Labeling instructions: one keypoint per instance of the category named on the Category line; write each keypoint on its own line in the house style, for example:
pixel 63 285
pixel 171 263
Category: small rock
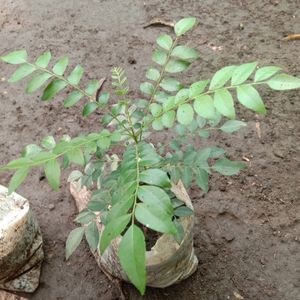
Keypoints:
pixel 51 206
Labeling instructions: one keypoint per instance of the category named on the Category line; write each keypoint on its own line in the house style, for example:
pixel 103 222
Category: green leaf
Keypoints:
pixel 197 88
pixel 152 217
pixel 37 81
pixel 155 109
pixel 121 208
pixel 228 167
pixel 48 142
pixel 183 211
pixel 157 124
pixel 224 103
pixel 165 41
pixel 89 108
pixel 147 88
pixel 170 84
pixel 185 114
pixel 73 98
pixel 92 87
pixel 155 177
pixel 92 235
pixel 221 77
pixel 103 99
pixel 17 179
pixel 31 149
pixel 53 88
pixel 233 125
pixel 204 134
pixel 159 57
pixel 160 96
pixel 283 82
pixel 250 98
pixel 76 156
pixel 181 96
pixel 153 195
pixel 265 73
pixel 15 57
pixel 242 73
pixel 215 152
pixel 43 60
pixel 132 254
pixel 74 175
pixel 169 103
pixel 185 53
pixel 153 74
pixel 202 179
pixel 180 231
pixel 21 73
pixel 52 172
pixel 184 25
pixel 60 67
pixel 187 176
pixel 76 75
pixel 74 240
pixel 85 217
pixel 175 66
pixel 113 229
pixel 204 106
pixel 168 118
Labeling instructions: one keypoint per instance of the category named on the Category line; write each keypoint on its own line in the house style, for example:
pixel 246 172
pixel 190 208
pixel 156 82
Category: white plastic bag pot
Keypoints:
pixel 21 252
pixel 167 262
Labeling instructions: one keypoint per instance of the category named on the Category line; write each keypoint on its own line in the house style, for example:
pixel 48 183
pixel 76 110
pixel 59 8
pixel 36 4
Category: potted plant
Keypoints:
pixel 137 194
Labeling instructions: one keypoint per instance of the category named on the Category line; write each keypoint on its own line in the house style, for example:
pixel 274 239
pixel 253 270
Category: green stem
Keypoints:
pixel 137 158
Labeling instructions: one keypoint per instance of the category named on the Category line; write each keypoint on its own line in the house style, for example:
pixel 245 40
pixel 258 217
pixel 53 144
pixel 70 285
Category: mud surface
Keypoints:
pixel 247 232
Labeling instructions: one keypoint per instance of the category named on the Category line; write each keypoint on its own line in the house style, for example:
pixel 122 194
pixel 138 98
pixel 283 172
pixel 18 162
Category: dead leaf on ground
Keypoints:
pixel 238 296
pixel 159 21
pixel 258 131
pixel 292 37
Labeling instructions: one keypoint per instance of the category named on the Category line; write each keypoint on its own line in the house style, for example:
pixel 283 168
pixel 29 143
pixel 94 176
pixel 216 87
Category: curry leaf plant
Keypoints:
pixel 132 190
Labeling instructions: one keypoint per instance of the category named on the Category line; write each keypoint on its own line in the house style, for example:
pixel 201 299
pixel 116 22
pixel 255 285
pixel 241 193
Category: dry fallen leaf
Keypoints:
pixel 257 126
pixel 238 296
pixel 158 21
pixel 292 37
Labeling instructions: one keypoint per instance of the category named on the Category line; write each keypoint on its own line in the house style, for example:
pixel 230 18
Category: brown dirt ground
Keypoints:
pixel 247 230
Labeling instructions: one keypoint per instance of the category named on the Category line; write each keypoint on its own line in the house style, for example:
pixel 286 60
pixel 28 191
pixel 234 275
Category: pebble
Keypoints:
pixel 51 206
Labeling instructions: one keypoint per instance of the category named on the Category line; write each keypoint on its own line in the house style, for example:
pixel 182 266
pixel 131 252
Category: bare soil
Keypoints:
pixel 247 231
